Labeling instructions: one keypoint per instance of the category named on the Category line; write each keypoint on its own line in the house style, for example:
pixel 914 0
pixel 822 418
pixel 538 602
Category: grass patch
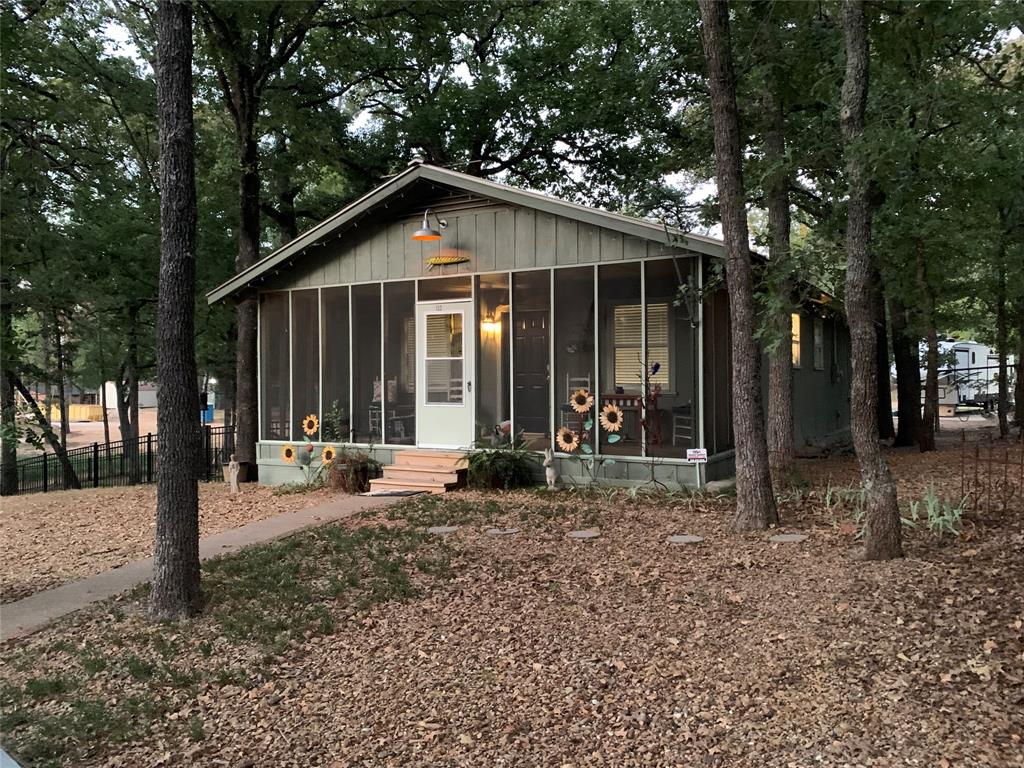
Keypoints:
pixel 274 594
pixel 259 602
pixel 48 687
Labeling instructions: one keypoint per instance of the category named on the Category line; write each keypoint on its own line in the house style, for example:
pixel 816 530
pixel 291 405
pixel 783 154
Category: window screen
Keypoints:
pixel 274 331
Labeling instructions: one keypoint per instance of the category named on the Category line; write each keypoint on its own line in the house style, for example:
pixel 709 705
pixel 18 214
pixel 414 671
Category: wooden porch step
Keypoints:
pixel 445 459
pixel 425 474
pixel 384 484
pixel 422 470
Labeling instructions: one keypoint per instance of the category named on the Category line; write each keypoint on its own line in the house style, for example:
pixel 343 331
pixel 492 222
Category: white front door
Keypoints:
pixel 445 362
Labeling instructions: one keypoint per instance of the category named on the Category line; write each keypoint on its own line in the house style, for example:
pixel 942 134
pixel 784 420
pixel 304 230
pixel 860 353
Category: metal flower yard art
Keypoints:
pixel 611 420
pixel 310 463
pixel 579 442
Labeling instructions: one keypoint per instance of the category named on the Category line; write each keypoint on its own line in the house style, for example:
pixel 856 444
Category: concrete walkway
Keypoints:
pixel 31 614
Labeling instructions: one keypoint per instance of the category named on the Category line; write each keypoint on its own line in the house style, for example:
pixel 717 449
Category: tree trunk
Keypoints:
pixel 8 404
pixel 245 356
pixel 908 376
pixel 930 416
pixel 755 502
pixel 176 552
pixel 882 535
pixel 883 389
pixel 127 386
pixel 62 394
pixel 9 454
pixel 1002 344
pixel 1018 392
pixel 70 476
pixel 780 362
pixel 106 418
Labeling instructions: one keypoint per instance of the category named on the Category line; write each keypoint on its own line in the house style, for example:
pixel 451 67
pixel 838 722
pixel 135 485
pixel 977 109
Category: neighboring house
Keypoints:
pixel 516 300
pixel 147 394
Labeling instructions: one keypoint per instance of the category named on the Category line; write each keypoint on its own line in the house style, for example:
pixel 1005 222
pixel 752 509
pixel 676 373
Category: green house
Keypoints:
pixel 442 310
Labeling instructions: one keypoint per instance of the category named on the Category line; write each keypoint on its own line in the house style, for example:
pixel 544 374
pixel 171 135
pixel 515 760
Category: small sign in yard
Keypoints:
pixel 697 455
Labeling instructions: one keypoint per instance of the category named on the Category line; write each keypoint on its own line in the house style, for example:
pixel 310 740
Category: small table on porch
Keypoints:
pixel 630 406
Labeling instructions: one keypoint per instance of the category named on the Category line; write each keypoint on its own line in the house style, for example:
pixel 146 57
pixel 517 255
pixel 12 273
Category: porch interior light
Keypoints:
pixel 490 324
pixel 426 232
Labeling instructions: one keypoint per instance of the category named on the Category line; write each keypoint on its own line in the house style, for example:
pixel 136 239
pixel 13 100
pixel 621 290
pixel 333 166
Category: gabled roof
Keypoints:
pixel 627 225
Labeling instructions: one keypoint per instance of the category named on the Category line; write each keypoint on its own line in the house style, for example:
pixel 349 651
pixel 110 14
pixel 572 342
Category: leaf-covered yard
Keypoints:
pixel 52 538
pixel 375 642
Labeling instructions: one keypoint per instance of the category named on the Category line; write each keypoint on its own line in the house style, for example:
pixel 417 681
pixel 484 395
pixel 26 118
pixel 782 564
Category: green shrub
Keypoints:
pixel 507 466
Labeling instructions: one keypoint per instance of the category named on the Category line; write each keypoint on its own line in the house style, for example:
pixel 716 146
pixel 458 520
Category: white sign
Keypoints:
pixel 697 455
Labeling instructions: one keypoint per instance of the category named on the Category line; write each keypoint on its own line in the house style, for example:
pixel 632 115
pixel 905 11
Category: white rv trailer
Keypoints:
pixel 968 376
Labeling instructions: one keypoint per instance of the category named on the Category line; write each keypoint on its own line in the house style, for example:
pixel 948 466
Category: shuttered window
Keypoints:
pixel 629 362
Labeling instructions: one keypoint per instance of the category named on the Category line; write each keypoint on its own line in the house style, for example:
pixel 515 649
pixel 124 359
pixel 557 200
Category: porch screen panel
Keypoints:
pixel 367 390
pixel 335 421
pixel 492 357
pixel 620 309
pixel 400 362
pixel 305 362
pixel 573 321
pixel 531 308
pixel 276 403
pixel 672 341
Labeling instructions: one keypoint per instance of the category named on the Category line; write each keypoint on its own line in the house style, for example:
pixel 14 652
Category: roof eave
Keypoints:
pixel 624 224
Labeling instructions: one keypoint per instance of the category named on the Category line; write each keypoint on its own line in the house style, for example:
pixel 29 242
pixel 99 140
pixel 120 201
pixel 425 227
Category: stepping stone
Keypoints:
pixel 590 533
pixel 788 538
pixel 501 531
pixel 443 530
pixel 685 538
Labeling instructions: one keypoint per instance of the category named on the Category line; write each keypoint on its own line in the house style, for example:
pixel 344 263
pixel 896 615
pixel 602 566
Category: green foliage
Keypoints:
pixel 941 516
pixel 335 423
pixel 508 466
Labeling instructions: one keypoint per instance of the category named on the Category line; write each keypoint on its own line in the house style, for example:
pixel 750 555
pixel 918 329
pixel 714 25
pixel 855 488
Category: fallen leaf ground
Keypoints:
pixel 52 538
pixel 375 643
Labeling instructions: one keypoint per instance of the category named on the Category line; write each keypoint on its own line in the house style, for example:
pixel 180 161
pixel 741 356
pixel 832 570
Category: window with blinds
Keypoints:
pixel 444 358
pixel 628 353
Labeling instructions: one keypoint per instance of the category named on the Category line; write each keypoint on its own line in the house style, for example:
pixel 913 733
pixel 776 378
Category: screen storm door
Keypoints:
pixel 445 365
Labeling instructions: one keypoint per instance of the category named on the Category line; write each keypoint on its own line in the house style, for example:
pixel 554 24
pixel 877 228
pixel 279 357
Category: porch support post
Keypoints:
pixel 699 406
pixel 553 407
pixel 351 372
pixel 597 369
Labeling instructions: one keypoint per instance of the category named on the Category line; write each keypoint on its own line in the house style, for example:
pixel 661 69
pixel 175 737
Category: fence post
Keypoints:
pixel 208 432
pixel 95 465
pixel 149 457
pixel 46 480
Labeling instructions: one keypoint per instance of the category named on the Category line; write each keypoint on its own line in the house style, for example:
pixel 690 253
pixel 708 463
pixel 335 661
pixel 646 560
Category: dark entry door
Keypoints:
pixel 530 378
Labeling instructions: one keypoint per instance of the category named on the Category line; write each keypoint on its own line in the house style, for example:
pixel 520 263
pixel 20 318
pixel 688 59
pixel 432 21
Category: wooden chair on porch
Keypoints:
pixel 569 417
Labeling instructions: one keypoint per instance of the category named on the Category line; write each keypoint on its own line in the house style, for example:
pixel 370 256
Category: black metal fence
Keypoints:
pixel 124 462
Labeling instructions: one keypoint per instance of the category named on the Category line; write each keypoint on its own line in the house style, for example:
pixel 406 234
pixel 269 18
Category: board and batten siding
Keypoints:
pixel 495 238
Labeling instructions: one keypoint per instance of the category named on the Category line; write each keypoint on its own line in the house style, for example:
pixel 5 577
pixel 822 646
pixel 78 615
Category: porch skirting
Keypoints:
pixel 625 472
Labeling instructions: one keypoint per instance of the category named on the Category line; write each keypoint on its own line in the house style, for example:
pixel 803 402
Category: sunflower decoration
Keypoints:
pixel 581 401
pixel 567 440
pixel 311 424
pixel 328 454
pixel 611 418
pixel 288 453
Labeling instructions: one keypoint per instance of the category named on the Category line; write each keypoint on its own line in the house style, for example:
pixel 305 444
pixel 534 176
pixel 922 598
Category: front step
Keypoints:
pixel 417 474
pixel 429 471
pixel 443 459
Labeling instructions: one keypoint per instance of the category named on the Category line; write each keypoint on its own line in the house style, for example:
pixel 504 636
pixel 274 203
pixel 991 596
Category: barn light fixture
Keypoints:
pixel 426 232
